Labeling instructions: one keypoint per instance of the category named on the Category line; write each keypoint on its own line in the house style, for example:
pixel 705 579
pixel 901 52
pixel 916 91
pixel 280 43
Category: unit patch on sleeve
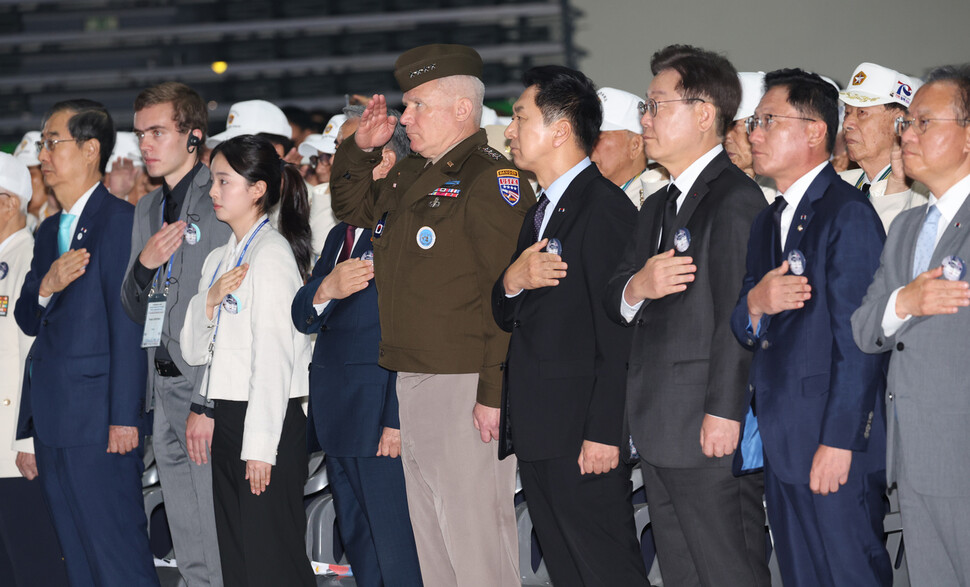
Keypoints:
pixel 508 185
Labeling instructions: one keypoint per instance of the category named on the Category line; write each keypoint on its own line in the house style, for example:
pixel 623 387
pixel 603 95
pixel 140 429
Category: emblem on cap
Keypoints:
pixel 796 262
pixel 903 91
pixel 859 78
pixel 426 237
pixel 682 240
pixel 229 120
pixel 954 268
pixel 4 269
pixel 508 185
pixel 423 70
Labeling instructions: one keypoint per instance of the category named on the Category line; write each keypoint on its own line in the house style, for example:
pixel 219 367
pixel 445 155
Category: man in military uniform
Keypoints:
pixel 873 100
pixel 445 225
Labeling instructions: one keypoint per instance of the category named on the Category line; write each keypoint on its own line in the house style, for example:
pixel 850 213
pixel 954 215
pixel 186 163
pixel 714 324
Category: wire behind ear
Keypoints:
pixel 193 143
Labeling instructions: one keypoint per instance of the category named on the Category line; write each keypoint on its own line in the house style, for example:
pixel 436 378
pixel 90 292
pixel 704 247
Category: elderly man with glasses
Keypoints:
pixel 814 423
pixel 873 100
pixel 675 286
pixel 916 309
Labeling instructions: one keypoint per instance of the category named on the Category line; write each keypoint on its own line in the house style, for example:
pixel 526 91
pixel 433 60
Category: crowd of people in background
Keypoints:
pixel 752 285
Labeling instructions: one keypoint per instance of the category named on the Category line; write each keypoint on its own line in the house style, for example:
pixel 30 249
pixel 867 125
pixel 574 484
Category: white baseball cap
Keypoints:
pixel 250 118
pixel 873 84
pixel 326 142
pixel 126 147
pixel 752 89
pixel 620 110
pixel 26 150
pixel 15 178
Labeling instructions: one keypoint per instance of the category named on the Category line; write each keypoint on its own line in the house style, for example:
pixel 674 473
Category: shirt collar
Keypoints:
pixel 685 181
pixel 795 193
pixel 557 188
pixel 78 206
pixel 177 193
pixel 952 199
pixel 879 175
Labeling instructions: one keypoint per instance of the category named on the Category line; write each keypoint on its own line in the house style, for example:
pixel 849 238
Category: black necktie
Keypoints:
pixel 780 205
pixel 537 219
pixel 670 216
pixel 865 189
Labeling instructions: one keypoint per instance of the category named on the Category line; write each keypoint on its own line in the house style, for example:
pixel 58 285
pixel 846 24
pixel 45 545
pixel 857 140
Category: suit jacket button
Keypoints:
pixel 516 324
pixel 44 323
pixel 878 342
pixel 323 328
pixel 900 346
pixel 6 402
pixel 765 344
pixel 890 397
pixel 309 320
pixel 639 321
pixel 382 352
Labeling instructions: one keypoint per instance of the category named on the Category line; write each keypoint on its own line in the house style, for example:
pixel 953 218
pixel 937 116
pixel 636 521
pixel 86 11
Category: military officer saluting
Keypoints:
pixel 445 223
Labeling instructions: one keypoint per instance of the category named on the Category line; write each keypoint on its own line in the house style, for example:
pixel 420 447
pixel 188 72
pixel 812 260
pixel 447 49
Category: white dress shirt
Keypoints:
pixel 793 196
pixel 948 204
pixel 684 182
pixel 76 210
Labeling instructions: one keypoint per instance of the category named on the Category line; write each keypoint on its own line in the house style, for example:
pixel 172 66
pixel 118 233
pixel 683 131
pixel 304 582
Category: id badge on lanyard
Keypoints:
pixel 151 336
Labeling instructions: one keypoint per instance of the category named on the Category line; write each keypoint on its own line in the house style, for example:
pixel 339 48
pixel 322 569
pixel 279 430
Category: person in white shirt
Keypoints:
pixel 238 324
pixel 27 537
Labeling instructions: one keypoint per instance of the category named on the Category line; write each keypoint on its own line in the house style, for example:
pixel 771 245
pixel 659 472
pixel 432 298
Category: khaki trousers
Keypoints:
pixel 459 494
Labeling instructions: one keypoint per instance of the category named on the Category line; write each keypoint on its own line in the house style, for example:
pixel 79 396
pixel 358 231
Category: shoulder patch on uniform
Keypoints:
pixel 492 153
pixel 508 185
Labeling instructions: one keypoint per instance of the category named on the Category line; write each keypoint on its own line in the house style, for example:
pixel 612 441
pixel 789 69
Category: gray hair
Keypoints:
pixel 465 86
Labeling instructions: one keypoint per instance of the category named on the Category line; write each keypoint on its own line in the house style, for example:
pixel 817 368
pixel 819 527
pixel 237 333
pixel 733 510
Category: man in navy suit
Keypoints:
pixel 84 386
pixel 812 392
pixel 353 411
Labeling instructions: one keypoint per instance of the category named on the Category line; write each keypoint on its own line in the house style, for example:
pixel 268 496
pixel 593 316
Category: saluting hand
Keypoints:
pixel 376 127
pixel 662 275
pixel 162 245
pixel 777 292
pixel 64 270
pixel 228 283
pixel 534 269
pixel 348 277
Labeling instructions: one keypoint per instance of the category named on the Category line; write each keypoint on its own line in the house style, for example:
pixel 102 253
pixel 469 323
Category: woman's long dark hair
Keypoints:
pixel 255 158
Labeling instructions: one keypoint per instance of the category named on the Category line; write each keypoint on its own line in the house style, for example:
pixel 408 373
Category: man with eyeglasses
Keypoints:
pixel 83 395
pixel 175 229
pixel 915 312
pixel 814 422
pixel 873 100
pixel 686 375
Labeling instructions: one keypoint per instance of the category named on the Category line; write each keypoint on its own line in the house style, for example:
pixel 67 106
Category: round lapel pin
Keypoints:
pixel 954 268
pixel 682 240
pixel 796 262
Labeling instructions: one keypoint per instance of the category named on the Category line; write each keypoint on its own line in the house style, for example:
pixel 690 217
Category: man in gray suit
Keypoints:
pixel 921 317
pixel 170 122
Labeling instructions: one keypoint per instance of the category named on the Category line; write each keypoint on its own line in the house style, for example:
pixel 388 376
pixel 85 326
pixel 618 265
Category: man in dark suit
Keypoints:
pixel 677 285
pixel 812 391
pixel 564 385
pixel 353 414
pixel 84 387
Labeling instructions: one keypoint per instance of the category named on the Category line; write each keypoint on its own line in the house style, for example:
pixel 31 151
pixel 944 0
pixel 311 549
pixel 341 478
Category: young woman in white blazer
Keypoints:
pixel 239 325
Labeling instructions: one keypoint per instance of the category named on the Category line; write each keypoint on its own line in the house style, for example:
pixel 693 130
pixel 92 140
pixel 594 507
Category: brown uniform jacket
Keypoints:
pixel 442 236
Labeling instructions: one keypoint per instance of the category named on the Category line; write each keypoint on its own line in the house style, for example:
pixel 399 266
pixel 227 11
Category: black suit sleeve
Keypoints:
pixel 635 253
pixel 729 363
pixel 610 228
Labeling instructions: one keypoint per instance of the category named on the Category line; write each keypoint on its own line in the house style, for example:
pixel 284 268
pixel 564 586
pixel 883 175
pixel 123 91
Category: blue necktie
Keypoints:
pixel 926 241
pixel 64 233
